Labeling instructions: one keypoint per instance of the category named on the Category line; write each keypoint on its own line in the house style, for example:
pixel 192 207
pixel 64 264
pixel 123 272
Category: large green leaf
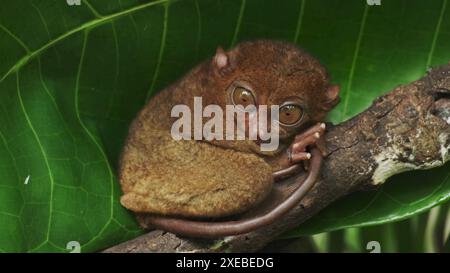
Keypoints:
pixel 72 78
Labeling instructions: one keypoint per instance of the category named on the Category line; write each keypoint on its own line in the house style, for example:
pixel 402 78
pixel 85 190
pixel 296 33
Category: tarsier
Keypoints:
pixel 177 183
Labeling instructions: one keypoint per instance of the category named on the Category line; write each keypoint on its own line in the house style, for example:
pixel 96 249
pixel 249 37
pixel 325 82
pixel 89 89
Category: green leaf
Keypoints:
pixel 73 77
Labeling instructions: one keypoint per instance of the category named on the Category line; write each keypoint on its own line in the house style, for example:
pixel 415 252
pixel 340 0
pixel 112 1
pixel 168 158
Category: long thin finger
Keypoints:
pixel 318 128
pixel 297 157
pixel 300 145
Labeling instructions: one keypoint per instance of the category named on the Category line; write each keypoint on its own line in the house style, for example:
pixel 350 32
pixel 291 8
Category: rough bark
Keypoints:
pixel 406 129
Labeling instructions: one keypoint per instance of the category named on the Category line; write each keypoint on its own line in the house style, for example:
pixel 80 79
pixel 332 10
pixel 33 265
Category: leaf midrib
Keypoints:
pixel 88 25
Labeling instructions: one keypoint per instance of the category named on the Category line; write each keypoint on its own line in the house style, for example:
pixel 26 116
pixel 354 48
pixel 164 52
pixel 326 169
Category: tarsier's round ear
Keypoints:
pixel 331 97
pixel 221 61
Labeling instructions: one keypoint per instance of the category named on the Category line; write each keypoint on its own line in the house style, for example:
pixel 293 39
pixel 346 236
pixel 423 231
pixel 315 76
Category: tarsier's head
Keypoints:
pixel 273 73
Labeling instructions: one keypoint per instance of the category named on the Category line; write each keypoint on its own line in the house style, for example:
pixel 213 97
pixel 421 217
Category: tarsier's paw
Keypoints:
pixel 312 136
pixel 298 153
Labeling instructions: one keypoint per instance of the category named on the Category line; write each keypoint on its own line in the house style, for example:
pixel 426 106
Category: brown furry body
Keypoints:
pixel 214 179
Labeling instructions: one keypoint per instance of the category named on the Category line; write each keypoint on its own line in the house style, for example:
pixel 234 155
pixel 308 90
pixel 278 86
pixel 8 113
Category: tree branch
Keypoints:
pixel 404 130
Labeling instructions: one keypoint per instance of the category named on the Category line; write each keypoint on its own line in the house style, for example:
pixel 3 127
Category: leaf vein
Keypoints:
pixel 44 154
pixel 90 24
pixel 91 136
pixel 299 21
pixel 238 23
pixel 354 59
pixel 17 39
pixel 161 52
pixel 436 34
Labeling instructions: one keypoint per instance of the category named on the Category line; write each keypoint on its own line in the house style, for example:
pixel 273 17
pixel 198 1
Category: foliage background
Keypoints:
pixel 72 78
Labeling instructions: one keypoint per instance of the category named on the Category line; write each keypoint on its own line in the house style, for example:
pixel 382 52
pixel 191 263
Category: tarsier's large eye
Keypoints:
pixel 290 114
pixel 243 96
